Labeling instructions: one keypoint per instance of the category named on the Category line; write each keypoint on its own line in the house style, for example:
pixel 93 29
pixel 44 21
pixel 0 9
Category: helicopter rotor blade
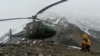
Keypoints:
pixel 35 16
pixel 49 7
pixel 49 22
pixel 14 19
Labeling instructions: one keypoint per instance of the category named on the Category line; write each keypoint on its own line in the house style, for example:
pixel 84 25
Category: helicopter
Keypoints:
pixel 41 30
pixel 37 29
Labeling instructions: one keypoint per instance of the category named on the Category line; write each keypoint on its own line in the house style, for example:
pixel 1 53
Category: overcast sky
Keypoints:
pixel 26 8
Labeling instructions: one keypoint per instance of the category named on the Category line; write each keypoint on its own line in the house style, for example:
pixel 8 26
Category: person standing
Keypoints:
pixel 86 43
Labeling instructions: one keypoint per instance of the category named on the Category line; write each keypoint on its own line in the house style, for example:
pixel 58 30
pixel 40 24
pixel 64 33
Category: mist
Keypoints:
pixel 74 10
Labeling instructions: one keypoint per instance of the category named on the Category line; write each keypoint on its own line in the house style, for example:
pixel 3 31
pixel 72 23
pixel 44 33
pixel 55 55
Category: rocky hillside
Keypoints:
pixel 70 34
pixel 67 35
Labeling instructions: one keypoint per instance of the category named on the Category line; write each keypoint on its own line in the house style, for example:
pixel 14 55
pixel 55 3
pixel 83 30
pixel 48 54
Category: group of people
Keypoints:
pixel 86 43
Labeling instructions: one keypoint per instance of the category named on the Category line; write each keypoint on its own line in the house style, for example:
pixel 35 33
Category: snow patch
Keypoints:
pixel 75 47
pixel 6 39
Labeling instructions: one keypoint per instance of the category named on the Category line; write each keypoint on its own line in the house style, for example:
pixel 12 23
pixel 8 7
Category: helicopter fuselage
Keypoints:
pixel 38 30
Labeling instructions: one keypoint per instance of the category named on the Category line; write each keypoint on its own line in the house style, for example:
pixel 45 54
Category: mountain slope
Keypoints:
pixel 71 35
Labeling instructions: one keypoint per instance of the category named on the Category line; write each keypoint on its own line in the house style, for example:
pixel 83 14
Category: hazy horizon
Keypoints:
pixel 74 10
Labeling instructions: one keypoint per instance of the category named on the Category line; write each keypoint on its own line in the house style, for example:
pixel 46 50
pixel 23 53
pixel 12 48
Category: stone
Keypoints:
pixel 1 53
pixel 40 54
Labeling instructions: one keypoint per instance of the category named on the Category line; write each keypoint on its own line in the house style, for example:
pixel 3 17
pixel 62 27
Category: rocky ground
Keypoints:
pixel 65 37
pixel 42 49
